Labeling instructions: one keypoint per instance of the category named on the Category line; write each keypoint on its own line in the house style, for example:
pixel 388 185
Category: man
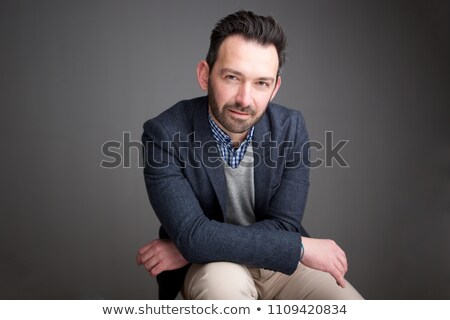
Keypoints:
pixel 227 175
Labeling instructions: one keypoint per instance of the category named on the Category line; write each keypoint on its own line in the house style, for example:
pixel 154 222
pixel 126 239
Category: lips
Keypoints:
pixel 239 112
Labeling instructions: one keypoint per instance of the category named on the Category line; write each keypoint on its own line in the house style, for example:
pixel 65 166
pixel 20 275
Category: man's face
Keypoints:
pixel 241 84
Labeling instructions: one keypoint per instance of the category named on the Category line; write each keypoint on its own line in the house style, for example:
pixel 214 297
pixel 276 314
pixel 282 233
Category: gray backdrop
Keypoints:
pixel 75 74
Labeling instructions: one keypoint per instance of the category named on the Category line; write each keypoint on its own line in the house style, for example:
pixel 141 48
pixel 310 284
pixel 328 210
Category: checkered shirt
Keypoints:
pixel 230 155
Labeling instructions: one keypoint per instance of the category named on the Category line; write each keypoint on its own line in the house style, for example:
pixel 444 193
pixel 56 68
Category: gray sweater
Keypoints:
pixel 241 191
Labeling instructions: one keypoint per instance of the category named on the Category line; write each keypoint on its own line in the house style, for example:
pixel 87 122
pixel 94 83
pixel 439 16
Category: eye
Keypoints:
pixel 263 84
pixel 231 77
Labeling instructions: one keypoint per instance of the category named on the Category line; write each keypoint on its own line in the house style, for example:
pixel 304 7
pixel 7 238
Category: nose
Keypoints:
pixel 243 96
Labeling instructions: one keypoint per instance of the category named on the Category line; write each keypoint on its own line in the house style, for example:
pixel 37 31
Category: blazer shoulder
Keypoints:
pixel 283 114
pixel 284 122
pixel 179 117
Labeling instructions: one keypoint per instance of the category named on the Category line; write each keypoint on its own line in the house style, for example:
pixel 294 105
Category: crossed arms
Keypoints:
pixel 273 242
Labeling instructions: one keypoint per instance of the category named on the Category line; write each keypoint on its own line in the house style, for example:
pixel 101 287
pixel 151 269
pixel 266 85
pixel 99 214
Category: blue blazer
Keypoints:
pixel 186 185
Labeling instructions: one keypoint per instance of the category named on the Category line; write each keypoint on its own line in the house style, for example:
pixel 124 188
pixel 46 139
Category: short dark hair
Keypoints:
pixel 264 30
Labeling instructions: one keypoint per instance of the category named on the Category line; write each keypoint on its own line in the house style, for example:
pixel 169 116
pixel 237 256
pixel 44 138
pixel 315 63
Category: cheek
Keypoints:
pixel 225 95
pixel 221 93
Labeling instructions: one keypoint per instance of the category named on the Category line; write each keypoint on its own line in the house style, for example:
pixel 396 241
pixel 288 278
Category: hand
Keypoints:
pixel 160 255
pixel 327 256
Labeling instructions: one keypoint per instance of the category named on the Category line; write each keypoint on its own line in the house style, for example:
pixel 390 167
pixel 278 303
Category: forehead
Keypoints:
pixel 248 57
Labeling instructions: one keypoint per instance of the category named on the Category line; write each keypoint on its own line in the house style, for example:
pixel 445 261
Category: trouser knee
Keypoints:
pixel 219 280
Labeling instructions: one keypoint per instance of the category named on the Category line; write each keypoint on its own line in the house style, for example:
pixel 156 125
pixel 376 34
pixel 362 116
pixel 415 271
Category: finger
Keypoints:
pixel 148 255
pixel 141 253
pixel 160 263
pixel 339 277
pixel 152 250
pixel 340 254
pixel 342 282
pixel 147 251
pixel 156 270
pixel 151 263
pixel 342 270
pixel 139 256
pixel 342 261
pixel 145 247
pixel 341 265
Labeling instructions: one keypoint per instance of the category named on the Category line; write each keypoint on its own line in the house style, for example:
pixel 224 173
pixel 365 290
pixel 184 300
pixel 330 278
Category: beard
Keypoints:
pixel 222 115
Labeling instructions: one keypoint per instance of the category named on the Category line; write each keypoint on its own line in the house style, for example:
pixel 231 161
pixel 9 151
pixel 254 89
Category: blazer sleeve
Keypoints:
pixel 287 204
pixel 199 239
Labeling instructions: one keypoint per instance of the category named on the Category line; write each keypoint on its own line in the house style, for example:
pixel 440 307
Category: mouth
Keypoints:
pixel 239 113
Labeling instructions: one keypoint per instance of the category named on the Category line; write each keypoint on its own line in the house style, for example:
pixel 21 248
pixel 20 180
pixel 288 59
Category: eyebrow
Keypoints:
pixel 229 70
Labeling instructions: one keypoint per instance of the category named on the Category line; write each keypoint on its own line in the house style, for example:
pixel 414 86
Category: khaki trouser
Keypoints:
pixel 226 280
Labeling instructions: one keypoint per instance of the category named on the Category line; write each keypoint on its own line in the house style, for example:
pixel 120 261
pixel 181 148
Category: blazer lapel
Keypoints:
pixel 261 170
pixel 209 153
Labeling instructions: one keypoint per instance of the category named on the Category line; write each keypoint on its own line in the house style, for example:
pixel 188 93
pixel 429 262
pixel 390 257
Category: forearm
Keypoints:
pixel 287 205
pixel 201 240
pixel 270 249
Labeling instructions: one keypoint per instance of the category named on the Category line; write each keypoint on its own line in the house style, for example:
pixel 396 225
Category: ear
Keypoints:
pixel 277 86
pixel 203 74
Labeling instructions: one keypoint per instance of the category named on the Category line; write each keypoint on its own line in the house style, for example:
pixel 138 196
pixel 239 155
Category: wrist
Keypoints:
pixel 302 251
